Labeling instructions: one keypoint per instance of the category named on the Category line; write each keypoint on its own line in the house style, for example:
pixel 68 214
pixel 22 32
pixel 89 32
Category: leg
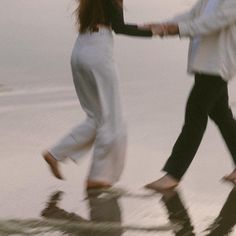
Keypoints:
pixel 222 115
pixel 110 143
pixel 78 142
pixel 53 165
pixel 202 98
pixel 81 138
pixel 96 86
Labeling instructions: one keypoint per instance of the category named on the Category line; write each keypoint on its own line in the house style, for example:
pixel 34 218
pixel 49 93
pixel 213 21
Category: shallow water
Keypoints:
pixel 38 105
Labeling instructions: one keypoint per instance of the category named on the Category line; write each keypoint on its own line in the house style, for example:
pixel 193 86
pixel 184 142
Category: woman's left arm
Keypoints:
pixel 120 27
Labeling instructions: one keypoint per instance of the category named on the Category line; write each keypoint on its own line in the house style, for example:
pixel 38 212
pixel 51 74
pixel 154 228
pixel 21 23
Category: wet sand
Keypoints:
pixel 32 121
pixel 38 105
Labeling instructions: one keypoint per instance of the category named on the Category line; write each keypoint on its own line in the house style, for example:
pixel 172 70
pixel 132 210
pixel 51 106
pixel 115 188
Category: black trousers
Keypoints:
pixel 208 98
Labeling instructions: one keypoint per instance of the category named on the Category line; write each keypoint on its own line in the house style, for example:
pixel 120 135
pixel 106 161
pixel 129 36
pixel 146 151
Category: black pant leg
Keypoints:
pixel 222 115
pixel 201 99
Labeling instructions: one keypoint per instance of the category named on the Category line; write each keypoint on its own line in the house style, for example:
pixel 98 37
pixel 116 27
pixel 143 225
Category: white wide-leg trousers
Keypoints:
pixel 96 84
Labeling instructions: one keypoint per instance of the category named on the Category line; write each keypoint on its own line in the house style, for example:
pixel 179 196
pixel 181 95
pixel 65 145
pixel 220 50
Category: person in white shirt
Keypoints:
pixel 211 26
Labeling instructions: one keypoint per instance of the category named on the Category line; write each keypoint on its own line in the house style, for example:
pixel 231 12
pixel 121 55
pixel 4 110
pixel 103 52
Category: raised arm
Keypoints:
pixel 120 27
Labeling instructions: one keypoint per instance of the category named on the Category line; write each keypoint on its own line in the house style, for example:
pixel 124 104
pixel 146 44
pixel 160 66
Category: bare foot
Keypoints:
pixel 231 177
pixel 92 184
pixel 165 183
pixel 53 165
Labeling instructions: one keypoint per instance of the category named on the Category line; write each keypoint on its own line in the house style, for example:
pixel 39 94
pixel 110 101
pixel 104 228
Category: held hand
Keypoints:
pixel 146 26
pixel 159 30
pixel 172 29
pixel 163 30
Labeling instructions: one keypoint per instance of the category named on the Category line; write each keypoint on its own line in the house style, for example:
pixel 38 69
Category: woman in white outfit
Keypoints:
pixel 96 84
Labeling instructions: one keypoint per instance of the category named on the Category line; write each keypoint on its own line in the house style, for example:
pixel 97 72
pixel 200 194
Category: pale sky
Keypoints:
pixel 36 33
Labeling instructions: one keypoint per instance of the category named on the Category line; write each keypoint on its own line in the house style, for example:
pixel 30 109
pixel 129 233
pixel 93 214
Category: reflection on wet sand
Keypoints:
pixel 178 213
pixel 225 222
pixel 101 210
pixel 105 217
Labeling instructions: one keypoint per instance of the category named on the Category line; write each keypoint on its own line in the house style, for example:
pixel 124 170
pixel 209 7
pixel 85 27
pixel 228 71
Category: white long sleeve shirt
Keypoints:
pixel 216 52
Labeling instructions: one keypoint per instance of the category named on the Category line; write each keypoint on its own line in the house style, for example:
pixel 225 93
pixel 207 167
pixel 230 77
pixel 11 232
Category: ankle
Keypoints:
pixel 171 178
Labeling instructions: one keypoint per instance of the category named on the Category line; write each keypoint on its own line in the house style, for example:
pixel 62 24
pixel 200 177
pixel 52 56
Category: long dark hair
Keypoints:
pixel 90 13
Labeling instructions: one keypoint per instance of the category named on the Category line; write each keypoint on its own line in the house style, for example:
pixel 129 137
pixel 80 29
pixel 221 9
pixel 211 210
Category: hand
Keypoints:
pixel 172 29
pixel 159 30
pixel 146 26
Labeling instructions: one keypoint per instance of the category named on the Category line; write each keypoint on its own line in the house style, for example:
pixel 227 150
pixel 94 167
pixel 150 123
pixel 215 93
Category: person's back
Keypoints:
pixel 92 14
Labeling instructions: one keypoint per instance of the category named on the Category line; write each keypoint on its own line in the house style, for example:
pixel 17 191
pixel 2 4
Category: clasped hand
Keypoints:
pixel 162 29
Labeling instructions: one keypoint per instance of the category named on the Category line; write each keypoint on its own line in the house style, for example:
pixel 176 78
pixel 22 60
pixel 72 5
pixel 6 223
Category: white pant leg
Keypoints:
pixel 79 141
pixel 96 84
pixel 110 144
